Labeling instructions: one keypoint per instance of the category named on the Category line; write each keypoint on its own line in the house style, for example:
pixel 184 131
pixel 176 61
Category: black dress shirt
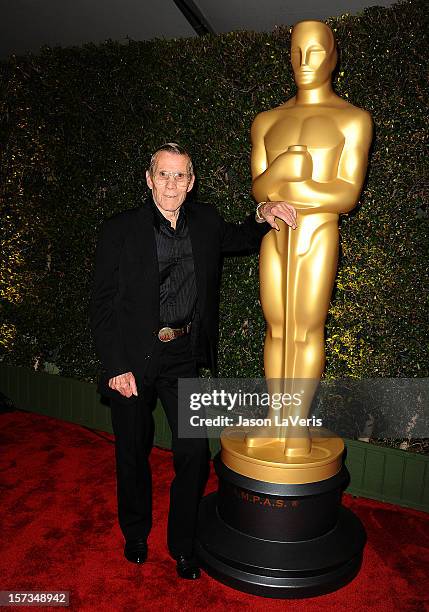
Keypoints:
pixel 177 288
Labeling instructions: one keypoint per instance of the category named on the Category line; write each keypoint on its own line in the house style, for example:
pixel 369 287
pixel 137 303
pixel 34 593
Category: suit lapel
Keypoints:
pixel 196 231
pixel 144 237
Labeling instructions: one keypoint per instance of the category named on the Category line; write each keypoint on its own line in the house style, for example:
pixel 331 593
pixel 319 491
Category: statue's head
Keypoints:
pixel 313 53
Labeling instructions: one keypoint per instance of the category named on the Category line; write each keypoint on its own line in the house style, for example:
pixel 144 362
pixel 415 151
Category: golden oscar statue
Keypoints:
pixel 310 152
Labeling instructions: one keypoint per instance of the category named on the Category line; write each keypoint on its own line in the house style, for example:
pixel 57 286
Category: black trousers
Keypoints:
pixel 133 427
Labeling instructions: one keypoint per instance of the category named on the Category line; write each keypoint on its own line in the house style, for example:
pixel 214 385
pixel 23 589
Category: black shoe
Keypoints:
pixel 136 550
pixel 187 568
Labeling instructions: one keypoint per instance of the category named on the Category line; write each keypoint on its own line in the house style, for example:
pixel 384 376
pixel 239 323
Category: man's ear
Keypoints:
pixel 149 180
pixel 191 183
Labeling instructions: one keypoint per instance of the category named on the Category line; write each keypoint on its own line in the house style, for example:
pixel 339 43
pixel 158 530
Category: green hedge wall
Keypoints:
pixel 77 127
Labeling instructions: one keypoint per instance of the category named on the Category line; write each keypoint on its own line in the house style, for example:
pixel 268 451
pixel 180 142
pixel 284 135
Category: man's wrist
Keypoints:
pixel 259 218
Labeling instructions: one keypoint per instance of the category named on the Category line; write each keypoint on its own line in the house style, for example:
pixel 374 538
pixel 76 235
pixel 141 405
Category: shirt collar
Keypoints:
pixel 159 219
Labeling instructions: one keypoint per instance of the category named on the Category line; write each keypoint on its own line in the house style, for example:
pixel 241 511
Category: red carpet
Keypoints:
pixel 59 532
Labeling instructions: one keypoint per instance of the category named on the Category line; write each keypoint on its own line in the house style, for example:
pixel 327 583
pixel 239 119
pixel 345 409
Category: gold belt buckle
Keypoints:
pixel 166 334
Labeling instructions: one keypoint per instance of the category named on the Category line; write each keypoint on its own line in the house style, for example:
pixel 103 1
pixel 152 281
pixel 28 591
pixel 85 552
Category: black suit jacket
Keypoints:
pixel 125 300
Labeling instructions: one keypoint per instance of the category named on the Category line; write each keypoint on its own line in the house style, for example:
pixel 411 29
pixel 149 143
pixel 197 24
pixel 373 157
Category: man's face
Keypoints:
pixel 313 55
pixel 170 194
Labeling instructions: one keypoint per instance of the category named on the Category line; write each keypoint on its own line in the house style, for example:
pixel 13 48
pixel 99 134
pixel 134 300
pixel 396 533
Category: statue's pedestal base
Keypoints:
pixel 279 539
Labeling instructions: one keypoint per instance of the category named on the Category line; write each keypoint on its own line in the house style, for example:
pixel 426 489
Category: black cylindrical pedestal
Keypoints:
pixel 279 540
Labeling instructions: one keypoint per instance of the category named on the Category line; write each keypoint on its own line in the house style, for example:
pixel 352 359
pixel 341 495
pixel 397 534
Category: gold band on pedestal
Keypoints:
pixel 268 462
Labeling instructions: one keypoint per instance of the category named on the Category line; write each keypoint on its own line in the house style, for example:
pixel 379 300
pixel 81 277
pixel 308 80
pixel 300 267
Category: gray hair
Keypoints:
pixel 170 147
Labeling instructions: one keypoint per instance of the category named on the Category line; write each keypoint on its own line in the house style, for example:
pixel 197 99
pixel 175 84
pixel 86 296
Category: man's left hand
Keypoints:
pixel 270 210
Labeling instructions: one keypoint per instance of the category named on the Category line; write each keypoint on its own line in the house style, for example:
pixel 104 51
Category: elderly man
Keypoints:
pixel 154 314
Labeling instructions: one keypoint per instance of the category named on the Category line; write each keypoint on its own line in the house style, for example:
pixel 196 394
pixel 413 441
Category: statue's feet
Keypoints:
pixel 262 437
pixel 297 447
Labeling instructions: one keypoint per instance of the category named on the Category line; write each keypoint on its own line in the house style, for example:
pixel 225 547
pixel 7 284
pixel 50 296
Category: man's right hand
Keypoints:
pixel 125 384
pixel 270 210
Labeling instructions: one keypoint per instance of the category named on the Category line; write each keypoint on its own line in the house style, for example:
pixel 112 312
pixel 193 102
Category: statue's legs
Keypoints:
pixel 312 267
pixel 273 276
pixel 297 272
